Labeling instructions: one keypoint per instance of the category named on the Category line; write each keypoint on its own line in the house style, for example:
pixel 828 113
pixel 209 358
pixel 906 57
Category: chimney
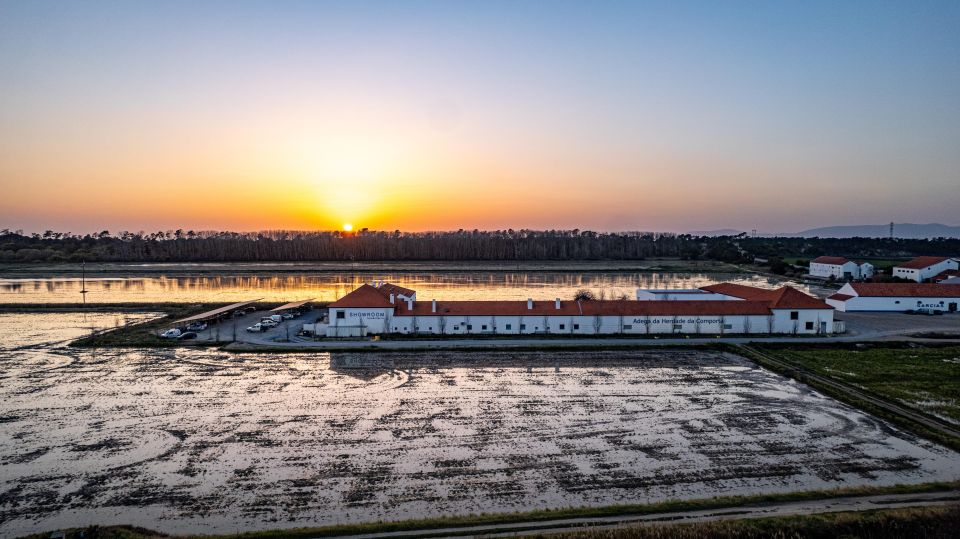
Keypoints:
pixel 529 303
pixel 433 306
pixel 392 298
pixel 558 303
pixel 409 304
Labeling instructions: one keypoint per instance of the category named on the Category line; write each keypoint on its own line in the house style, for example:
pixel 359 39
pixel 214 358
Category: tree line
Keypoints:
pixel 460 245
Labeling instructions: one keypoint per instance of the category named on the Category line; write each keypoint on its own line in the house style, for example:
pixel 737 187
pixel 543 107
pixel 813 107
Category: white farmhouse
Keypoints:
pixel 896 297
pixel 840 268
pixel 730 309
pixel 925 267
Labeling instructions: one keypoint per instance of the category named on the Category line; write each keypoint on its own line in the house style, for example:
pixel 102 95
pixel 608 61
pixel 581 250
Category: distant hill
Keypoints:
pixel 900 230
pixel 712 233
pixel 909 231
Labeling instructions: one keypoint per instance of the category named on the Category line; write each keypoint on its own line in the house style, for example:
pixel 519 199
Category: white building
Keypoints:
pixel 924 267
pixel 895 297
pixel 731 309
pixel 840 268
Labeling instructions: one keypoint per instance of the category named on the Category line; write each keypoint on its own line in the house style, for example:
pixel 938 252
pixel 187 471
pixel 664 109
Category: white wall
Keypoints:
pixel 899 304
pixel 779 322
pixel 835 270
pixel 680 295
pixel 370 320
pixel 808 321
pixel 920 275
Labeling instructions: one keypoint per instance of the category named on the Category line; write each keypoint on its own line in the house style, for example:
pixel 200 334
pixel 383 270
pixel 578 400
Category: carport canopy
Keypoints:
pixel 292 305
pixel 209 315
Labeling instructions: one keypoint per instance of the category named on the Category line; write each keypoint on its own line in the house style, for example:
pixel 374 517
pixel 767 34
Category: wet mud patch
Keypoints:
pixel 196 441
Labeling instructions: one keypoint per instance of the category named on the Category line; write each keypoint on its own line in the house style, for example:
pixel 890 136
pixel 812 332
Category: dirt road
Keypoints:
pixel 810 507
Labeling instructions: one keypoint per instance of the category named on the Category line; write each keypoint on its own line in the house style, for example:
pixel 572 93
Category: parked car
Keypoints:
pixel 256 328
pixel 197 326
pixel 172 333
pixel 188 335
pixel 238 313
pixel 250 309
pixel 268 322
pixel 286 316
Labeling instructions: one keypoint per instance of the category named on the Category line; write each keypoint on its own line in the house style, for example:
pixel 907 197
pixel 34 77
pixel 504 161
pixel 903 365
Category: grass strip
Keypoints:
pixel 668 506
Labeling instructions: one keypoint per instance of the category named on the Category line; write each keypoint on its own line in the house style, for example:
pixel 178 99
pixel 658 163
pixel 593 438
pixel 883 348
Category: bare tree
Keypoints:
pixel 584 295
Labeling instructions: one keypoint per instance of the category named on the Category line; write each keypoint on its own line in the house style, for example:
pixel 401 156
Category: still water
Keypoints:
pixel 330 285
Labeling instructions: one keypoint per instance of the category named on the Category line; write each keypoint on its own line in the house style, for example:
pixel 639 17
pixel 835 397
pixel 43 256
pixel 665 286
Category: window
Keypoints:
pixel 341 315
pixel 794 315
pixel 509 326
pixel 469 327
pixel 484 327
pixel 456 328
pixel 628 326
pixel 728 326
pixel 523 327
pixel 677 327
pixel 576 326
pixel 809 325
pixel 563 326
pixel 897 302
pixel 430 328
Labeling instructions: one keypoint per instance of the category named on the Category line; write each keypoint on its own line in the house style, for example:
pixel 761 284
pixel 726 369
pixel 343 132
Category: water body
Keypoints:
pixel 202 441
pixel 226 285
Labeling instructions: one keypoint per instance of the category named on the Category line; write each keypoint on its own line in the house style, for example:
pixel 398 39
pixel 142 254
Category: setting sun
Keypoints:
pixel 347 227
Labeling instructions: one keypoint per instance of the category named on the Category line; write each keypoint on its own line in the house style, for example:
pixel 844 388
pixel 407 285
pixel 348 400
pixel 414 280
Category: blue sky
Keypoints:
pixel 611 115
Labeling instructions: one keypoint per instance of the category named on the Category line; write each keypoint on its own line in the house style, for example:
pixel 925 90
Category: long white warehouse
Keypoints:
pixel 896 297
pixel 731 309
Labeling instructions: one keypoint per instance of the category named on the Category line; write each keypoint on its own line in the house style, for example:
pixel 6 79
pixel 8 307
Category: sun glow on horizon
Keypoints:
pixel 347 227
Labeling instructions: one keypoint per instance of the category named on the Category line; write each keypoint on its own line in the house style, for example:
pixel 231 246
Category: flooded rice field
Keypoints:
pixel 330 285
pixel 205 441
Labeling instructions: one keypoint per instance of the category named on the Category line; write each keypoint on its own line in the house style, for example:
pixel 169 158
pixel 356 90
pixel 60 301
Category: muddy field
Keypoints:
pixel 203 441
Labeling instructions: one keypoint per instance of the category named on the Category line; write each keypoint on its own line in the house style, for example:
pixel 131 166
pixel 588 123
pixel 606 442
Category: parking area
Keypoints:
pixel 235 328
pixel 884 324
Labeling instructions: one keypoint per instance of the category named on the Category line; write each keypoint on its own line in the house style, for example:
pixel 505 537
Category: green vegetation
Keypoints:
pixel 127 532
pixel 16 247
pixel 875 378
pixel 925 378
pixel 929 522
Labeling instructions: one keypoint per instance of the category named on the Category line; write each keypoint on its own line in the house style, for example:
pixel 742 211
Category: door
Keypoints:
pixel 952 307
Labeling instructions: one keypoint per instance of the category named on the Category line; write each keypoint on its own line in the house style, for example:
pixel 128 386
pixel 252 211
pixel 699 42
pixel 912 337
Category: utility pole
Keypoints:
pixel 891 230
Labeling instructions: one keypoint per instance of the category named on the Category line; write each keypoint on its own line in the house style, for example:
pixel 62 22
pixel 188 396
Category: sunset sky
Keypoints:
pixel 407 115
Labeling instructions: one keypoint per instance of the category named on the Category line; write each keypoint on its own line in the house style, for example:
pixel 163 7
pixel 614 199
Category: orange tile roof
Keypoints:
pixel 785 297
pixel 922 262
pixel 364 297
pixel 388 288
pixel 944 275
pixel 737 290
pixel 755 301
pixel 840 297
pixel 910 290
pixel 832 260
